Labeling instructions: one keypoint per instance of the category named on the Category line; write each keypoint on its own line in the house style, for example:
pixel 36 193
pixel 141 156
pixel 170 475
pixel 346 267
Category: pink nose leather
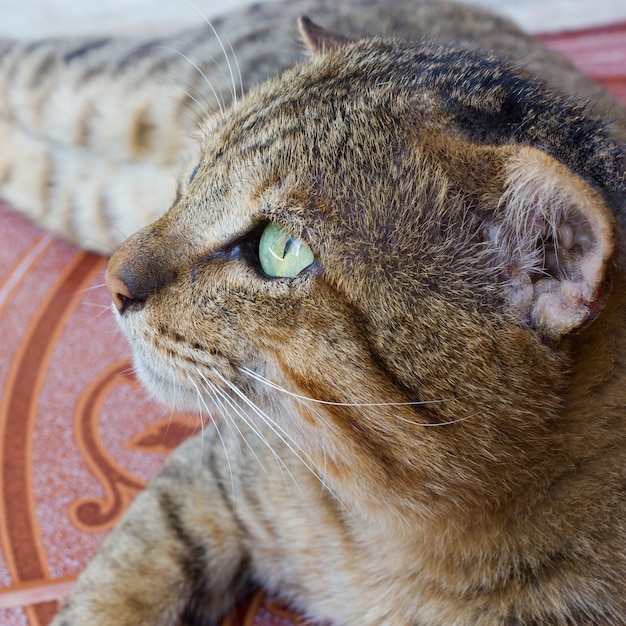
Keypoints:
pixel 118 291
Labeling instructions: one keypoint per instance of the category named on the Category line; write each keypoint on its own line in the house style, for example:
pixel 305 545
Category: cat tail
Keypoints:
pixel 93 132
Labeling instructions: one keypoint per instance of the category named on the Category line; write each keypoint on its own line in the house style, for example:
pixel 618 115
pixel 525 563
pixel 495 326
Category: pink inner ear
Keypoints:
pixel 563 235
pixel 317 39
pixel 568 307
pixel 561 310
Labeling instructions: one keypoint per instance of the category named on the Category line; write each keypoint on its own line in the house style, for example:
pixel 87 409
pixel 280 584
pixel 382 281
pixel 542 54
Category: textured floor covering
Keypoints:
pixel 78 437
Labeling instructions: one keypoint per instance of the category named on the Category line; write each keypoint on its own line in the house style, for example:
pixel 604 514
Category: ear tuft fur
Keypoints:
pixel 317 39
pixel 558 235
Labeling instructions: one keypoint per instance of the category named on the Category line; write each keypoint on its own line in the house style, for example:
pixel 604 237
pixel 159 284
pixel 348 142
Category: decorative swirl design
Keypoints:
pixel 92 514
pixel 18 523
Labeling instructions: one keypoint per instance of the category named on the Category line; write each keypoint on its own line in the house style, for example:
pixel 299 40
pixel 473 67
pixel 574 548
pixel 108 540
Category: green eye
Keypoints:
pixel 281 254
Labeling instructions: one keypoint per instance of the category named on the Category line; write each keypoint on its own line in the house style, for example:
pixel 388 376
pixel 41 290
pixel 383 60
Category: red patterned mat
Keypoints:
pixel 78 435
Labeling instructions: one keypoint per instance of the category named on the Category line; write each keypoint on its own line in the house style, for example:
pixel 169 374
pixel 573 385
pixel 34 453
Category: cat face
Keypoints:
pixel 365 255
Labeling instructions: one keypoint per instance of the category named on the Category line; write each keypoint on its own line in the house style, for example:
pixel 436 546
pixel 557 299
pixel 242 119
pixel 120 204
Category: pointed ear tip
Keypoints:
pixel 318 39
pixel 306 26
pixel 304 21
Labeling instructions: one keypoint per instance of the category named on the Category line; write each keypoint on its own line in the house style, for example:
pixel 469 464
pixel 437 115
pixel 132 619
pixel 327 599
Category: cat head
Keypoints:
pixel 406 236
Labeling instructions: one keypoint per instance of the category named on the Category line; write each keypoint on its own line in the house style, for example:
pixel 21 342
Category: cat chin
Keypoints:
pixel 165 390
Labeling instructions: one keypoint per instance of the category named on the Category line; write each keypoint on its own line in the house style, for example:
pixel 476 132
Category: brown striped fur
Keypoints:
pixel 425 426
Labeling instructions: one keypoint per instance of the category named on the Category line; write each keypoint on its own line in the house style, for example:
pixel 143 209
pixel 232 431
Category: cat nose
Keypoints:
pixel 118 290
pixel 142 266
pixel 122 275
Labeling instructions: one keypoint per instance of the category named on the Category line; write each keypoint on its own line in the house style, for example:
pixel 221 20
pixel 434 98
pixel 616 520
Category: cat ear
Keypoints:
pixel 317 39
pixel 555 236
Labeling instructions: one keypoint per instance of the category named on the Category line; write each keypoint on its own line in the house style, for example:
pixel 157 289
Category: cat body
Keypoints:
pixel 396 272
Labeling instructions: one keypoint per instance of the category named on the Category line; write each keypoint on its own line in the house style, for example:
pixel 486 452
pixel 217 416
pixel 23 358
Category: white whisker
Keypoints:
pixel 99 244
pixel 282 466
pixel 279 432
pixel 99 305
pixel 241 90
pixel 218 100
pixel 223 411
pixel 105 310
pixel 204 106
pixel 219 434
pixel 280 463
pixel 92 288
pixel 302 398
pixel 201 399
pixel 238 410
pixel 221 44
pixel 225 401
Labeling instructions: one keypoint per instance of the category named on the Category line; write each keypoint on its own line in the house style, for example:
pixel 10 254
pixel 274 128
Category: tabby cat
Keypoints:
pixel 396 271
